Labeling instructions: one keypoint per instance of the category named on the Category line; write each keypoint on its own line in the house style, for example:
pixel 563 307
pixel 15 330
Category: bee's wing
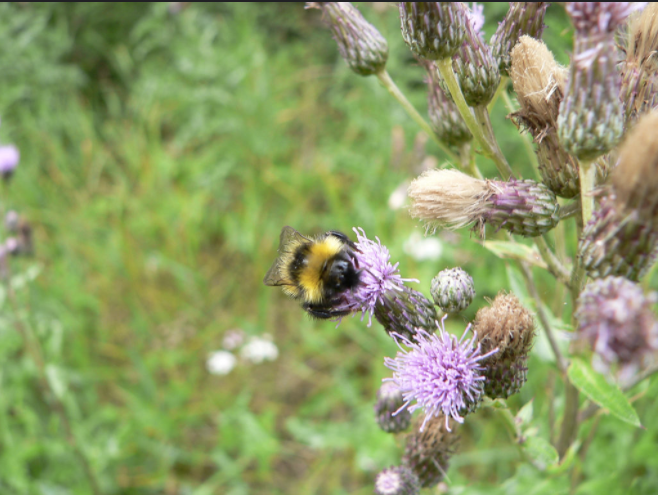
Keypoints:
pixel 288 241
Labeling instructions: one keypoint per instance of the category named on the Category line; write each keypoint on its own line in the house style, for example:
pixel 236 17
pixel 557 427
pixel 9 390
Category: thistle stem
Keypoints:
pixel 587 172
pixel 569 418
pixel 468 161
pixel 554 264
pixel 502 87
pixel 391 87
pixel 481 130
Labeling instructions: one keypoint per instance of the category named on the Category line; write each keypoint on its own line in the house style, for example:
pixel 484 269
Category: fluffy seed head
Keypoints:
pixel 389 401
pixel 427 452
pixel 398 480
pixel 453 290
pixel 363 47
pixel 615 316
pixel 439 372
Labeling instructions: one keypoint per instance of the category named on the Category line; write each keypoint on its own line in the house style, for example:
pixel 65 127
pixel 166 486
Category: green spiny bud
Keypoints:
pixel 433 30
pixel 509 327
pixel 475 68
pixel 428 452
pixel 451 199
pixel 523 18
pixel 389 402
pixel 622 236
pixel 398 480
pixel 363 47
pixel 453 290
pixel 402 311
pixel 447 122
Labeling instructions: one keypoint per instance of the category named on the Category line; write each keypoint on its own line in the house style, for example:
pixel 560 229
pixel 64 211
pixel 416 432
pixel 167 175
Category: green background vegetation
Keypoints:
pixel 160 156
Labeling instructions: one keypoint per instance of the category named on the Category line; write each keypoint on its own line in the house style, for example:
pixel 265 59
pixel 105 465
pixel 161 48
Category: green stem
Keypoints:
pixel 554 264
pixel 482 117
pixel 479 130
pixel 587 172
pixel 502 87
pixel 468 161
pixel 569 418
pixel 526 138
pixel 392 88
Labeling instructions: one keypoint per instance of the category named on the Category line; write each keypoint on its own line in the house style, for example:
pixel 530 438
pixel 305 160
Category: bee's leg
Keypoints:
pixel 323 312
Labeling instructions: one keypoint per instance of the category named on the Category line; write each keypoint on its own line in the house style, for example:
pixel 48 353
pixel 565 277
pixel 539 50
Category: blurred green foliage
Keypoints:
pixel 162 152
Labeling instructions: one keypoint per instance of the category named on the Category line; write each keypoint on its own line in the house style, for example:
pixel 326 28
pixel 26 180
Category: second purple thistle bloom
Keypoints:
pixel 439 372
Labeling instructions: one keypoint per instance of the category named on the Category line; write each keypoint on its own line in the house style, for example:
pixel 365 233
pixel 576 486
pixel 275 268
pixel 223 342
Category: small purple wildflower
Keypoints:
pixel 476 16
pixel 439 372
pixel 377 276
pixel 9 157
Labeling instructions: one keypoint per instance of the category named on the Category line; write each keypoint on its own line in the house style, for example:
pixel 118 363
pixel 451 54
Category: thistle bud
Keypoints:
pixel 615 316
pixel 475 67
pixel 363 47
pixel 539 83
pixel 522 18
pixel 591 118
pixel 622 234
pixel 509 327
pixel 398 480
pixel 453 290
pixel 447 122
pixel 639 71
pixel 433 30
pixel 389 402
pixel 403 311
pixel 451 199
pixel 427 453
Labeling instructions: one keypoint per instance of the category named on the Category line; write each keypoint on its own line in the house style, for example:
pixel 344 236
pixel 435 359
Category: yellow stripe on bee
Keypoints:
pixel 310 277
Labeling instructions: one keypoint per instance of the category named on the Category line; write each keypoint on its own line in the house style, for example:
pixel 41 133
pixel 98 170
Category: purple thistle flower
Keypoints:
pixel 9 157
pixel 377 276
pixel 439 372
pixel 476 16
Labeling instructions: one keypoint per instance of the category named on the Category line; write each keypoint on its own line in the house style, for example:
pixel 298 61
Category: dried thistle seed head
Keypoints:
pixel 389 402
pixel 397 480
pixel 427 453
pixel 522 19
pixel 451 199
pixel 635 179
pixel 361 45
pixel 509 327
pixel 539 82
pixel 475 67
pixel 433 30
pixel 453 290
pixel 639 71
pixel 447 122
pixel 615 316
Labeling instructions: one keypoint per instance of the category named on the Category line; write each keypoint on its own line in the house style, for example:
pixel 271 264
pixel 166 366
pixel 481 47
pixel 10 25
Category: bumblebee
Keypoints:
pixel 317 271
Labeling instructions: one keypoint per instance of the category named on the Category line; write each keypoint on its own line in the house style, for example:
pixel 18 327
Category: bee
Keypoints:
pixel 317 271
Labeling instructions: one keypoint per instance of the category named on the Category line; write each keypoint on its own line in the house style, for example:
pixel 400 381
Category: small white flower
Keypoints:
pixel 398 198
pixel 221 362
pixel 423 248
pixel 259 349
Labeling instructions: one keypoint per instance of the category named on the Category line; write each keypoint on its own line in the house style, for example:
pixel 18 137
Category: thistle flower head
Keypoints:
pixel 363 47
pixel 522 19
pixel 433 30
pixel 439 372
pixel 598 18
pixel 397 480
pixel 451 199
pixel 615 316
pixel 453 290
pixel 9 157
pixel 509 327
pixel 389 401
pixel 427 452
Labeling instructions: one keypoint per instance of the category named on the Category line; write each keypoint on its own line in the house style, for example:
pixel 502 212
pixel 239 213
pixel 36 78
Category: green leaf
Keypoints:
pixel 541 451
pixel 524 416
pixel 596 387
pixel 516 251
